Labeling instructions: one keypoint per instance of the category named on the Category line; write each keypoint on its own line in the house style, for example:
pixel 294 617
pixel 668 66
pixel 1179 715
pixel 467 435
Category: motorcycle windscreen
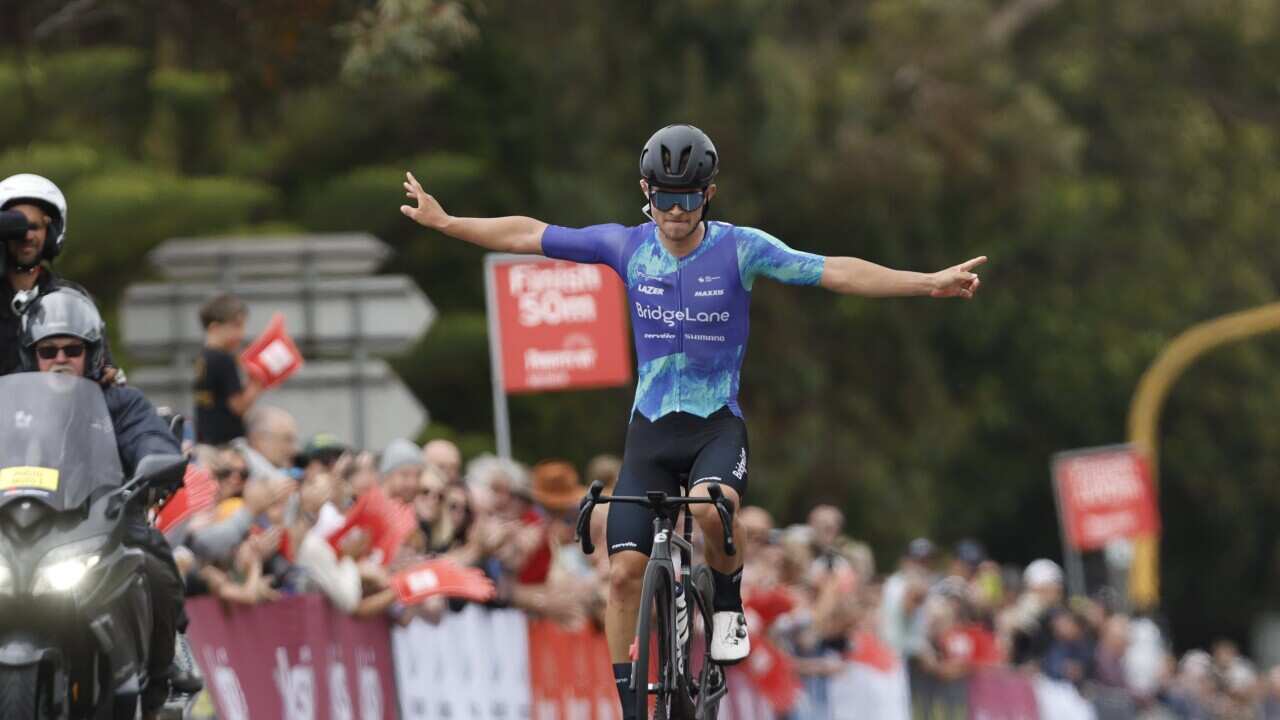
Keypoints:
pixel 57 444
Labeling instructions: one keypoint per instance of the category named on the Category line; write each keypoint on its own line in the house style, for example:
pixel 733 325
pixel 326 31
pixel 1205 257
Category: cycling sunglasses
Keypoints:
pixel 664 200
pixel 49 352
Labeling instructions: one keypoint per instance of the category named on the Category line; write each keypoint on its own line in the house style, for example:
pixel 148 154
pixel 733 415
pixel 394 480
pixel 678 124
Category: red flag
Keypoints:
pixel 389 523
pixel 442 577
pixel 199 491
pixel 273 357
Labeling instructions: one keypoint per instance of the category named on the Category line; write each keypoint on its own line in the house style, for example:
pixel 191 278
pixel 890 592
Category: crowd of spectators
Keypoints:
pixel 809 588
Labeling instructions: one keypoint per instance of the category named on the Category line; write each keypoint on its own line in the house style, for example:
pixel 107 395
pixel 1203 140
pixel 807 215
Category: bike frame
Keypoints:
pixel 661 568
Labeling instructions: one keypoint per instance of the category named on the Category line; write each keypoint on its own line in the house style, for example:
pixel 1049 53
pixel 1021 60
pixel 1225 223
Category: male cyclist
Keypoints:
pixel 689 284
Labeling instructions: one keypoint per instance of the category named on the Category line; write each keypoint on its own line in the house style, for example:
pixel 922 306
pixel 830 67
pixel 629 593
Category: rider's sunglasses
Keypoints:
pixel 49 352
pixel 664 200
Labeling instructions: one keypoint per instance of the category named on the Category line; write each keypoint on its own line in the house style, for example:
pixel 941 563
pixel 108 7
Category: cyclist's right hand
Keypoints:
pixel 428 211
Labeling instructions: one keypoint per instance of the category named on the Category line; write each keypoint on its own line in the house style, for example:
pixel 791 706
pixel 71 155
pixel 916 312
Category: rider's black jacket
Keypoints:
pixel 139 430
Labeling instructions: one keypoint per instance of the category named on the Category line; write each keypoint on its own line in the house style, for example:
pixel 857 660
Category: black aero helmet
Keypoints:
pixel 69 313
pixel 679 156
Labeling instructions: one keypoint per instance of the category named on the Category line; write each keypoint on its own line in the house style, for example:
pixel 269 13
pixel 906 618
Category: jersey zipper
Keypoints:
pixel 680 339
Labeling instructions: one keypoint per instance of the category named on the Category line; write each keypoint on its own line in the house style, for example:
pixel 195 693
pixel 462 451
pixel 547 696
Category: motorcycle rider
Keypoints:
pixel 26 264
pixel 63 333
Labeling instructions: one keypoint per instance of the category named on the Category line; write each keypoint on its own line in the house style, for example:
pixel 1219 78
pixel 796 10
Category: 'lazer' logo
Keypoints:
pixel 669 317
pixel 650 290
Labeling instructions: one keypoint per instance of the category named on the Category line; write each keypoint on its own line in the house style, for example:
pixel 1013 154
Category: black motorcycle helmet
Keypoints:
pixel 69 313
pixel 679 156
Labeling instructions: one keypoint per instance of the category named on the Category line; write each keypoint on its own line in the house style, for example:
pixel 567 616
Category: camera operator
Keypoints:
pixel 33 225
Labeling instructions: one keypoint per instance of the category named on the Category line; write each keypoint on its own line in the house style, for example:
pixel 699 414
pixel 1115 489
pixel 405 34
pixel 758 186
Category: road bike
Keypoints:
pixel 662 666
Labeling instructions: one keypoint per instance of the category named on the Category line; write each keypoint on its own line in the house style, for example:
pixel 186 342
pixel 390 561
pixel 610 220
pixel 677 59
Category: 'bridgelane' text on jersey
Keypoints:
pixel 688 316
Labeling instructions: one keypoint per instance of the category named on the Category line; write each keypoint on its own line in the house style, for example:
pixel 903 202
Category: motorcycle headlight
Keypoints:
pixel 64 575
pixel 6 578
pixel 64 568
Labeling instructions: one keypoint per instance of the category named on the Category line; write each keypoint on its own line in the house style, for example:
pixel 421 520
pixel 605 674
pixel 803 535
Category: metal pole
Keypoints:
pixel 309 277
pixel 501 420
pixel 360 357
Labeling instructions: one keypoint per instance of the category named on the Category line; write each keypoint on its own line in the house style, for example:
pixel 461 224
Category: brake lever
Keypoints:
pixel 583 531
pixel 726 516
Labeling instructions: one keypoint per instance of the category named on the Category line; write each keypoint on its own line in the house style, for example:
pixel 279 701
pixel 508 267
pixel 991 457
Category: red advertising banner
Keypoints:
pixel 1104 494
pixel 1002 694
pixel 560 325
pixel 293 659
pixel 569 673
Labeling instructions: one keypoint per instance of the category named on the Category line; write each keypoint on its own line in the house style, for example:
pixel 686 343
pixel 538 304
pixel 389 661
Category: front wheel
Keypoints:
pixel 20 693
pixel 655 663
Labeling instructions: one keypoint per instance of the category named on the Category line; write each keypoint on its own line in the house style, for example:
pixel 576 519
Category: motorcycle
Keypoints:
pixel 75 615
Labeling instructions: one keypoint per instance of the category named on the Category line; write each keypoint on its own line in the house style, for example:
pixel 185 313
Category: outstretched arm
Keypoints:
pixel 852 276
pixel 503 234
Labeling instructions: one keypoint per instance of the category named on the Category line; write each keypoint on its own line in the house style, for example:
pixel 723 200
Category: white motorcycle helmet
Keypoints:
pixel 26 187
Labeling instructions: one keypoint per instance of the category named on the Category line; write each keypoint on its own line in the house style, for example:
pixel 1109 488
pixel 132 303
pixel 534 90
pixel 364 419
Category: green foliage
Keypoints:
pixel 96 94
pixel 400 36
pixel 14 109
pixel 64 163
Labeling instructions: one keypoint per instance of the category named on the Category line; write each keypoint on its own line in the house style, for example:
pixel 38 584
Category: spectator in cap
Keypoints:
pixel 558 492
pixel 903 622
pixel 902 619
pixel 320 454
pixel 400 467
pixel 445 456
pixel 968 555
pixel 1028 625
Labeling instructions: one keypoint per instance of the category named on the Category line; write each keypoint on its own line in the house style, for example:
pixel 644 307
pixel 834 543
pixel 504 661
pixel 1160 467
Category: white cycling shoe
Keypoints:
pixel 729 641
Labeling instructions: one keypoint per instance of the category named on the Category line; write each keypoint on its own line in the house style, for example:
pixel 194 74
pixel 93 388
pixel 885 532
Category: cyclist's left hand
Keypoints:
pixel 958 281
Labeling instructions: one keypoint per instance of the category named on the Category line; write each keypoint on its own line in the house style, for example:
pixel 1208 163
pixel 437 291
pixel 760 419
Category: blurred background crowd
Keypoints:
pixel 810 588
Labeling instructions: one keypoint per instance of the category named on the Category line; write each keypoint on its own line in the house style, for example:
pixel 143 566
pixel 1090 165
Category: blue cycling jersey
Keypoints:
pixel 688 315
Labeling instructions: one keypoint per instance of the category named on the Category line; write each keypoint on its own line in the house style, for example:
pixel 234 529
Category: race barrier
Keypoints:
pixel 300 659
pixel 295 659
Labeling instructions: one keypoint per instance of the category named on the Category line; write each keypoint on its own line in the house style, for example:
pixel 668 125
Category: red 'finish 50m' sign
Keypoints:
pixel 559 325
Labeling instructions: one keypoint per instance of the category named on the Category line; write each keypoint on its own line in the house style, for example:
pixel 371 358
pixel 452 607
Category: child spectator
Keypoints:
pixel 221 399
